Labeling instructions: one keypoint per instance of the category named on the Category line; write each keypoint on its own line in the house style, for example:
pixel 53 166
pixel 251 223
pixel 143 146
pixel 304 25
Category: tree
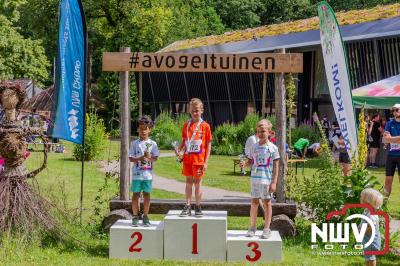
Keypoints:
pixel 239 14
pixel 19 56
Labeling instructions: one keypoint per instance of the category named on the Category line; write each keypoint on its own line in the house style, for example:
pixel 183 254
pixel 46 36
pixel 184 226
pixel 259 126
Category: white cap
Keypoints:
pixel 396 106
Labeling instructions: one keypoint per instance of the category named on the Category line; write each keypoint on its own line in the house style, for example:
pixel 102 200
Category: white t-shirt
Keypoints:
pixel 249 144
pixel 143 170
pixel 314 145
pixel 263 157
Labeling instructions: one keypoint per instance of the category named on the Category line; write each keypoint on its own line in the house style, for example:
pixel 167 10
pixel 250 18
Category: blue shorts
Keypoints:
pixel 138 186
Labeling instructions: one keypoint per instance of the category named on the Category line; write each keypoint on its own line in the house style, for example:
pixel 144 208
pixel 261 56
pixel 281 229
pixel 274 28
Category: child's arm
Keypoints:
pixel 272 187
pixel 207 156
pixel 136 159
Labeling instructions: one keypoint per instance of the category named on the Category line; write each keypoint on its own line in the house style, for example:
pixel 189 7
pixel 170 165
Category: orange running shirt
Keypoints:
pixel 195 153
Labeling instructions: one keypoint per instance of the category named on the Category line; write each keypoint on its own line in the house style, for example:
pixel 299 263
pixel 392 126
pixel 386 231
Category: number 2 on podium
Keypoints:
pixel 194 239
pixel 138 240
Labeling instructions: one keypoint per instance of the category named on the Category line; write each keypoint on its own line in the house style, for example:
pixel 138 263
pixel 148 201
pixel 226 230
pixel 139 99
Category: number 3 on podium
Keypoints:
pixel 256 251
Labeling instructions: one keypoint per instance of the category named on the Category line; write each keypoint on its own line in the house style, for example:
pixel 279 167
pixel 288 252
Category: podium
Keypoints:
pixel 195 238
pixel 253 249
pixel 128 242
pixel 192 238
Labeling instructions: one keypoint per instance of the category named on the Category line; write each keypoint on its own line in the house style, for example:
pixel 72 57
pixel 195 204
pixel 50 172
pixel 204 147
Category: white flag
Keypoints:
pixel 337 75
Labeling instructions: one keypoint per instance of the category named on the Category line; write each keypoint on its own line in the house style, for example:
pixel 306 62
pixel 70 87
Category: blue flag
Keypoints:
pixel 69 89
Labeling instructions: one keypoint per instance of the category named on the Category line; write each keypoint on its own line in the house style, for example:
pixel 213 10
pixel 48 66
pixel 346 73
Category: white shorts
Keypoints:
pixel 259 190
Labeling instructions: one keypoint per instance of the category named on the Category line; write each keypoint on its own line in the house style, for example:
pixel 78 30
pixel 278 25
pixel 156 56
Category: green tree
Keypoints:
pixel 19 56
pixel 239 14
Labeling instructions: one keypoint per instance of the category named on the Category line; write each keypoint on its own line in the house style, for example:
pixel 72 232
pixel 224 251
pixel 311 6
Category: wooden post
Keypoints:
pixel 140 94
pixel 280 112
pixel 125 129
pixel 264 94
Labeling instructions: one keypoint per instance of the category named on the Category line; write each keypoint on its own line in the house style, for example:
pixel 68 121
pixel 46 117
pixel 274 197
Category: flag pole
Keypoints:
pixel 84 108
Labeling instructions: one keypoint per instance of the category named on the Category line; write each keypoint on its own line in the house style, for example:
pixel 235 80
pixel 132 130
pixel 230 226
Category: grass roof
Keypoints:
pixel 344 18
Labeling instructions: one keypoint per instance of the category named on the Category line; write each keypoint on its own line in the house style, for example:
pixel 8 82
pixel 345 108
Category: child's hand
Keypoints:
pixel 242 164
pixel 272 187
pixel 147 155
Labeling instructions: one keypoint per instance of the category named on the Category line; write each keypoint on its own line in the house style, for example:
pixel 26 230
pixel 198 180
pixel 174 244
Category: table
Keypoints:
pixel 298 161
pixel 236 162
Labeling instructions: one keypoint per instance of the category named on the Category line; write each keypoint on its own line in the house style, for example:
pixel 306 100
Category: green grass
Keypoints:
pixel 61 183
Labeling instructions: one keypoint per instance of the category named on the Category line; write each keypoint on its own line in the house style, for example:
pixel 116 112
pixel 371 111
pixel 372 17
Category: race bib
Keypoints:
pixel 144 165
pixel 195 146
pixel 261 160
pixel 394 147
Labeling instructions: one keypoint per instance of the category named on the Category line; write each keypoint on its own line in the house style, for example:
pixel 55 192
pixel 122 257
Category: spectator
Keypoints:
pixel 374 133
pixel 249 144
pixel 325 126
pixel 314 149
pixel 392 135
pixel 301 146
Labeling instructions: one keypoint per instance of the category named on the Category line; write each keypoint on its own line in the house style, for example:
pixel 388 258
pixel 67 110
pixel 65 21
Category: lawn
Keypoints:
pixel 60 182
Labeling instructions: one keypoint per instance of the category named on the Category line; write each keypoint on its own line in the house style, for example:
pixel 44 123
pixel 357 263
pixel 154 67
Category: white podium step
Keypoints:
pixel 128 242
pixel 253 249
pixel 195 238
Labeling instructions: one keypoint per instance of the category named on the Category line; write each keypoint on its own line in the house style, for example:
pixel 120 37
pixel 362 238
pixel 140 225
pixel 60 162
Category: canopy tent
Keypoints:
pixel 382 94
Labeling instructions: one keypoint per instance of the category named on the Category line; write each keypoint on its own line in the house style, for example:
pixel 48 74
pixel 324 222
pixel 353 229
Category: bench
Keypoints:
pixel 298 161
pixel 52 147
pixel 235 163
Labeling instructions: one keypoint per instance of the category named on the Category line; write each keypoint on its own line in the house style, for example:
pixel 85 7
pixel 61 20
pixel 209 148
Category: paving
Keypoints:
pixel 173 185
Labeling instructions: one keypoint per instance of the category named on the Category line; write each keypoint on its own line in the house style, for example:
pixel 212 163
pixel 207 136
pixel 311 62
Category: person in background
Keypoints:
pixel 391 135
pixel 314 149
pixel 325 126
pixel 375 200
pixel 249 144
pixel 344 158
pixel 301 146
pixel 374 133
pixel 272 137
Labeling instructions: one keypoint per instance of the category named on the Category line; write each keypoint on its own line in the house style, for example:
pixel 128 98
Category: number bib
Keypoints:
pixel 144 165
pixel 394 147
pixel 195 146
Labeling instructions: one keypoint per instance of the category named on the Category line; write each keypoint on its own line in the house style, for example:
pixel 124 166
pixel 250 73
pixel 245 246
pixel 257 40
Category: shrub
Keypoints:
pixel 95 139
pixel 167 129
pixel 248 127
pixel 225 134
pixel 305 131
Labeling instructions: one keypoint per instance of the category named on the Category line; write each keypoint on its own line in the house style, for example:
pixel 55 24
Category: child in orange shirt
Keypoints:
pixel 196 145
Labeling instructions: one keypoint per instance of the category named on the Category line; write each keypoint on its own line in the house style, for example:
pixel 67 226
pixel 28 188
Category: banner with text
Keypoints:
pixel 69 111
pixel 337 75
pixel 182 62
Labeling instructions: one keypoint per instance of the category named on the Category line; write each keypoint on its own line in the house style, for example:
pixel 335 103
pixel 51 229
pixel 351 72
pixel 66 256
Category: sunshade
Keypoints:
pixel 382 94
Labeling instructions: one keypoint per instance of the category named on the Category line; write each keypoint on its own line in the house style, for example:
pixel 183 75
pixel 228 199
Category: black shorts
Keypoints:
pixel 344 157
pixel 374 144
pixel 391 163
pixel 298 152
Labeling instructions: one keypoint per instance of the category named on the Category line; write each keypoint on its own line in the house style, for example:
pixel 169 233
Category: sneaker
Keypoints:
pixel 266 233
pixel 186 211
pixel 251 232
pixel 135 220
pixel 374 166
pixel 146 221
pixel 198 211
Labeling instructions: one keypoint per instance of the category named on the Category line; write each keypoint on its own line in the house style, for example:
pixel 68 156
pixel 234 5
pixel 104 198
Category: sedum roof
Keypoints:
pixel 344 18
